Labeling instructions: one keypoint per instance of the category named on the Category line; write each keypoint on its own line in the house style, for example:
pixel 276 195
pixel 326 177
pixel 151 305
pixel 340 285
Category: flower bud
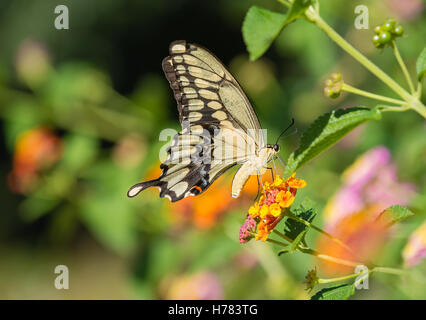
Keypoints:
pixel 336 76
pixel 398 31
pixel 385 37
pixel 333 85
pixel 388 25
pixel 378 29
pixel 376 40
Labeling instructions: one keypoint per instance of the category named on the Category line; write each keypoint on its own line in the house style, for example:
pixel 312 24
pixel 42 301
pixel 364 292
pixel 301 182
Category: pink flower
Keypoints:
pixel 247 229
pixel 371 180
pixel 365 167
pixel 406 9
pixel 415 249
pixel 199 286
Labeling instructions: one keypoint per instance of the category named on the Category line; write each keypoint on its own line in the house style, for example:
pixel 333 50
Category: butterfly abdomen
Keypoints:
pixel 240 179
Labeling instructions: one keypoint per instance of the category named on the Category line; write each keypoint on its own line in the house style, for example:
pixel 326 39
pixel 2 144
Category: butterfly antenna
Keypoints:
pixel 285 130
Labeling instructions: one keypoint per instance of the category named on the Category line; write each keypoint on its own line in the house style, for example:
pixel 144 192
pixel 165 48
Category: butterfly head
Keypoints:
pixel 273 148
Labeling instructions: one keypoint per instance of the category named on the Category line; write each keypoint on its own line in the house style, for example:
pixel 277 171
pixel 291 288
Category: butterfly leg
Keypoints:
pixel 260 178
pixel 273 162
pixel 258 188
pixel 282 162
pixel 272 172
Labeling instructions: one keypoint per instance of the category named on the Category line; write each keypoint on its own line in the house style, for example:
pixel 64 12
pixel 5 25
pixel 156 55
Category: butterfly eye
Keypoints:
pixel 276 147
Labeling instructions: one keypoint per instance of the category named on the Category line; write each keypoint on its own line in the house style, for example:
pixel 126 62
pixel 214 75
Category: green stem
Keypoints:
pixel 417 106
pixel 339 278
pixel 286 3
pixel 314 17
pixel 315 253
pixel 328 258
pixel 419 90
pixel 308 224
pixel 395 271
pixel 282 236
pixel 403 66
pixel 394 109
pixel 277 242
pixel 412 101
pixel 343 262
pixel 354 275
pixel 350 89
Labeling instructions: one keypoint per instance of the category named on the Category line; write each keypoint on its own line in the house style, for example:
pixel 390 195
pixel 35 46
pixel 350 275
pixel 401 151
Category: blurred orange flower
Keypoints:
pixel 35 150
pixel 353 214
pixel 363 232
pixel 204 210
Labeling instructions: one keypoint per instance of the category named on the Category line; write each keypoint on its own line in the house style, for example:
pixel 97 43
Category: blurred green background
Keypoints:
pixel 81 111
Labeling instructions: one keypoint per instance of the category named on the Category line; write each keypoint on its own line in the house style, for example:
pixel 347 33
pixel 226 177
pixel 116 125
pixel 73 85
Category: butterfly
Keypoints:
pixel 219 127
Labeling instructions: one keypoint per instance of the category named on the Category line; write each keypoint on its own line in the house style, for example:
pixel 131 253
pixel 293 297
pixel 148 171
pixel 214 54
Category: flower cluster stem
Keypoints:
pixel 348 88
pixel 403 66
pixel 341 42
pixel 330 280
pixel 308 224
pixel 411 100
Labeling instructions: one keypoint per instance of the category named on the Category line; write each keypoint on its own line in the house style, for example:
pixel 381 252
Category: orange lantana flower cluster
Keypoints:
pixel 278 196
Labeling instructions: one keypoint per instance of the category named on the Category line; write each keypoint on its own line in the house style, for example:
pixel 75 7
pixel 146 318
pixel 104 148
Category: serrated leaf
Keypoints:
pixel 394 214
pixel 297 10
pixel 325 132
pixel 300 237
pixel 282 251
pixel 296 230
pixel 339 292
pixel 260 28
pixel 421 65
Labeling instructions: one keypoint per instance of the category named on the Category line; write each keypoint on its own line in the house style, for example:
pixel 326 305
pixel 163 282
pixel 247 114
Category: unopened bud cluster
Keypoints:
pixel 386 33
pixel 333 85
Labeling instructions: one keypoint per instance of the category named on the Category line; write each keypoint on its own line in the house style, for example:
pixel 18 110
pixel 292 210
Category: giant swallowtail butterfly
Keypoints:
pixel 219 127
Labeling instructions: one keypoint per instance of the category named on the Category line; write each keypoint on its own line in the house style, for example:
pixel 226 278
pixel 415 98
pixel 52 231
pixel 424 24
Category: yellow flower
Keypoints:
pixel 277 195
pixel 277 182
pixel 254 210
pixel 264 211
pixel 296 183
pixel 285 199
pixel 275 209
pixel 266 186
pixel 262 231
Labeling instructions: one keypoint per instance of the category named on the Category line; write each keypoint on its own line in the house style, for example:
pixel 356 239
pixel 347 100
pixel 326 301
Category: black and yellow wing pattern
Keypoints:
pixel 219 127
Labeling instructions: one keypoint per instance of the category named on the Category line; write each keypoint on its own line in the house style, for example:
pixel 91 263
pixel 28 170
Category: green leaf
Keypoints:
pixel 80 150
pixel 339 292
pixel 421 65
pixel 285 250
pixel 297 10
pixel 300 237
pixel 395 214
pixel 325 132
pixel 296 230
pixel 260 28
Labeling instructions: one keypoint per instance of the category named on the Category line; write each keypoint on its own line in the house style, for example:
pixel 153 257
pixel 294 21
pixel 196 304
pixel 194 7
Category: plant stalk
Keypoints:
pixel 403 66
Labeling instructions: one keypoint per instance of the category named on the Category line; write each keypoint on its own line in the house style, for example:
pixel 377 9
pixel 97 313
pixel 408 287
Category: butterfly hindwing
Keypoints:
pixel 190 167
